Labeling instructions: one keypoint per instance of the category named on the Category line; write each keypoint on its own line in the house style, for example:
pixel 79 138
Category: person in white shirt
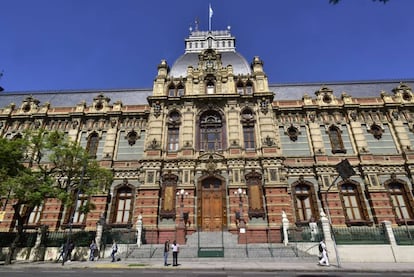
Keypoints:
pixel 114 249
pixel 324 253
pixel 175 249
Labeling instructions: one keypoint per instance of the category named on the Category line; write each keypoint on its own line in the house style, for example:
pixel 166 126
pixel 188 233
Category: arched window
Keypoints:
pixel 92 146
pixel 211 131
pixel 123 205
pixel 336 140
pixel 305 203
pixel 400 203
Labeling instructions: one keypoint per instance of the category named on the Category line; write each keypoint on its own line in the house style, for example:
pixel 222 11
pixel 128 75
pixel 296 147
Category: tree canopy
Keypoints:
pixel 41 165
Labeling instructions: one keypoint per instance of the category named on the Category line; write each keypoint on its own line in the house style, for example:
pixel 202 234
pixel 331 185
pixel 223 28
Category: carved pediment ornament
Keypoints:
pixel 376 131
pixel 293 133
pixel 157 109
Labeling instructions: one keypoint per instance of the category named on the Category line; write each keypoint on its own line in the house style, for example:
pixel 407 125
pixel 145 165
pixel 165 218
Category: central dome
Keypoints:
pixel 220 41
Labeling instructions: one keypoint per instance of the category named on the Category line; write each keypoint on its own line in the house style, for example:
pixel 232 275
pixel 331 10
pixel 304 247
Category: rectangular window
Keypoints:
pixel 34 217
pixel 211 139
pixel 351 207
pixel 236 175
pixel 273 175
pixel 373 180
pixel 400 207
pixel 150 177
pixel 173 137
pixel 78 217
pixel 248 135
pixel 123 210
pixel 186 176
pixel 326 180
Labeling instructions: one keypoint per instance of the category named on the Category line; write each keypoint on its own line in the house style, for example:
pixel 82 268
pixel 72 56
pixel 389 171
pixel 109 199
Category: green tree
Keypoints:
pixel 45 165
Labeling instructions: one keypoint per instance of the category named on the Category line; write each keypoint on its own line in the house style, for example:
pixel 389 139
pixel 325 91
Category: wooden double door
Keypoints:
pixel 212 209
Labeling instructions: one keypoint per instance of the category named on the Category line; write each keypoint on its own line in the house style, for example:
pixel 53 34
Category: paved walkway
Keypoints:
pixel 221 264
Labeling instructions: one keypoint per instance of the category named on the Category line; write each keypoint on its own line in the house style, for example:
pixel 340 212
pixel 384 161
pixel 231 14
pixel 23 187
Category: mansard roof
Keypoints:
pixel 293 91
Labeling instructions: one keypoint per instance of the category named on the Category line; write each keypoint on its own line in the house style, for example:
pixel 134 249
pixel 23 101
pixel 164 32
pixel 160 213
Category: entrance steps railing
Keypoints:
pixel 226 241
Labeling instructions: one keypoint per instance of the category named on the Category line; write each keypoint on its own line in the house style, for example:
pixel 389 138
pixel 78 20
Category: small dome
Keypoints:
pixel 237 61
pixel 220 41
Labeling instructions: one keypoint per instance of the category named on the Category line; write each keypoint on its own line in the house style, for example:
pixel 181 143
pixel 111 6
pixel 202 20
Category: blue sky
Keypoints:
pixel 117 44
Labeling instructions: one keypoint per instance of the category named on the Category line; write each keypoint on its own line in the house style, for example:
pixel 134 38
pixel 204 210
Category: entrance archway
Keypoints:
pixel 212 214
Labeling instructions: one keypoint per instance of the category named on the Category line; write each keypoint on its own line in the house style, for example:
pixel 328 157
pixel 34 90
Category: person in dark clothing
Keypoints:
pixel 166 252
pixel 92 248
pixel 175 249
pixel 71 246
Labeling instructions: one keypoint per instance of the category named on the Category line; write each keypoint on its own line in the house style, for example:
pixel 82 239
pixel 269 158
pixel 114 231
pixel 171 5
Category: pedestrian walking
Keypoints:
pixel 114 250
pixel 175 250
pixel 323 252
pixel 166 251
pixel 92 248
pixel 71 246
pixel 67 256
pixel 62 250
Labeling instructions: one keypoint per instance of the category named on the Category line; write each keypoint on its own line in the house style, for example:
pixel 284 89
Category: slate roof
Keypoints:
pixel 295 91
pixel 237 61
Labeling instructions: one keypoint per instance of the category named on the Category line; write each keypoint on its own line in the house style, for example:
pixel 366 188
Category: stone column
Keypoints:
pixel 39 249
pixel 330 243
pixel 139 230
pixel 390 234
pixel 285 225
pixel 99 231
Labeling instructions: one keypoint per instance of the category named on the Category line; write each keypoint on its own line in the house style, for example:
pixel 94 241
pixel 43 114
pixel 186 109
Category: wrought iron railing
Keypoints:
pixel 26 240
pixel 304 234
pixel 80 238
pixel 360 235
pixel 404 235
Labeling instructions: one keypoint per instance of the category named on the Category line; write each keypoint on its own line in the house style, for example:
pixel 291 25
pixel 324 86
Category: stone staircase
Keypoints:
pixel 216 242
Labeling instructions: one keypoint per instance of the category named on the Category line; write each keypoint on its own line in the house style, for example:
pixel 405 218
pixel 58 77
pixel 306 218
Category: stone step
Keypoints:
pixel 253 251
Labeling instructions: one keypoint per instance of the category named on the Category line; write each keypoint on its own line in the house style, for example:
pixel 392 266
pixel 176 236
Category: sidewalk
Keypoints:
pixel 221 264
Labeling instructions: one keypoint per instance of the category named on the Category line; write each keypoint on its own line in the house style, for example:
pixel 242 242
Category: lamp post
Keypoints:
pixel 181 194
pixel 345 171
pixel 241 193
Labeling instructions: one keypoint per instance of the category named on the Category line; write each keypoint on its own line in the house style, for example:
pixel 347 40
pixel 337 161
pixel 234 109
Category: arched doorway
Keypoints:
pixel 211 211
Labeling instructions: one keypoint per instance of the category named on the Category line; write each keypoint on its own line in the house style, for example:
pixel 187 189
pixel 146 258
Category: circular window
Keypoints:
pixel 99 106
pixel 406 96
pixel 327 99
pixel 26 108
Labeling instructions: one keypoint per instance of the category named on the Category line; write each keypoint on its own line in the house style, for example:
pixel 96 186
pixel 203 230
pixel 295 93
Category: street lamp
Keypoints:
pixel 182 193
pixel 345 171
pixel 241 193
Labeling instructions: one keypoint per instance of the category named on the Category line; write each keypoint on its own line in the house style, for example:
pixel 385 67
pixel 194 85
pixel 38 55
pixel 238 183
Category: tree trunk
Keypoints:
pixel 20 229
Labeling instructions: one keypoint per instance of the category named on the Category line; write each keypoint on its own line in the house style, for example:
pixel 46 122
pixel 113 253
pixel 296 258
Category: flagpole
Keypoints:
pixel 210 15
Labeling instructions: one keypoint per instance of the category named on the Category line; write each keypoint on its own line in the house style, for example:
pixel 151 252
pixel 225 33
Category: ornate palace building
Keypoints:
pixel 215 147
